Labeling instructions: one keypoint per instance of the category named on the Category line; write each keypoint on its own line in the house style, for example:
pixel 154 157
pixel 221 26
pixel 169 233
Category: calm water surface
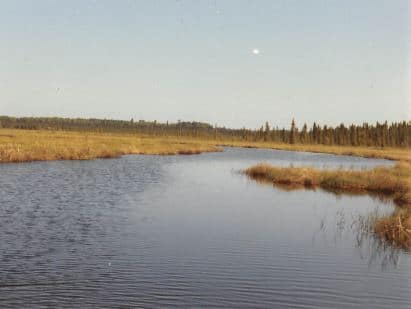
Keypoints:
pixel 189 231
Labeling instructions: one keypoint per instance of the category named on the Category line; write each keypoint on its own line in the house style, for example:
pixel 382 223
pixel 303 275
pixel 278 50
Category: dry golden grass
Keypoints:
pixel 380 179
pixel 394 182
pixel 26 145
pixel 396 228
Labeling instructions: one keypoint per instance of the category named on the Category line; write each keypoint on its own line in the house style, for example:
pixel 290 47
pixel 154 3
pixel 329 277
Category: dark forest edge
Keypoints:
pixel 395 134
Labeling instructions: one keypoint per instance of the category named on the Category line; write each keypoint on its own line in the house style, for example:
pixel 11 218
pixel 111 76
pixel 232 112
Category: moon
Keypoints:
pixel 256 51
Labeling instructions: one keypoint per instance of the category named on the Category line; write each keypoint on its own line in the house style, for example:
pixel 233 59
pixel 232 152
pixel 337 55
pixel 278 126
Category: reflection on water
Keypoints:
pixel 189 231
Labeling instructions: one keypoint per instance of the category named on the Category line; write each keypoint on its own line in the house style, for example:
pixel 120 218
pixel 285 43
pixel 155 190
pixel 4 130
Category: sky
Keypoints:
pixel 232 63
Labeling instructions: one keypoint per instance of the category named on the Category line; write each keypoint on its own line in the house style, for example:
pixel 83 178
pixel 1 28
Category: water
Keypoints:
pixel 189 231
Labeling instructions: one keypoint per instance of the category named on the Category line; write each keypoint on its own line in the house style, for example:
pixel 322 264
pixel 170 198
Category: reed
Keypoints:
pixel 396 228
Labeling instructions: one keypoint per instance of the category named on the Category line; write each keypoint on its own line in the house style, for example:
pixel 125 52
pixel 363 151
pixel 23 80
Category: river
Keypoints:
pixel 190 231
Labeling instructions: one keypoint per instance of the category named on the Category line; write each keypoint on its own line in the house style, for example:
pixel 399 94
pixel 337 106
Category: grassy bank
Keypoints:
pixel 393 182
pixel 33 145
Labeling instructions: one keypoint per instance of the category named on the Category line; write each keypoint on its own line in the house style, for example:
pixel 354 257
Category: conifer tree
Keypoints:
pixel 292 132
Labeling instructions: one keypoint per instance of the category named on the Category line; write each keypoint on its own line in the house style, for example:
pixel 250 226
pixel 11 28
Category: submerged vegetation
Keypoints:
pixel 394 182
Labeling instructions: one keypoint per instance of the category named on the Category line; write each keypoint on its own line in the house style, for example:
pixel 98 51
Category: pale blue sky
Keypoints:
pixel 326 61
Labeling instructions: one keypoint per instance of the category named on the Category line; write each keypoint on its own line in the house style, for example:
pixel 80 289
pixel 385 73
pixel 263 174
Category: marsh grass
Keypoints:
pixel 396 228
pixel 385 180
pixel 27 145
pixel 393 182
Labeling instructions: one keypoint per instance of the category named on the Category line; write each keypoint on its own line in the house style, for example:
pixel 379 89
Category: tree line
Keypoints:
pixel 395 134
